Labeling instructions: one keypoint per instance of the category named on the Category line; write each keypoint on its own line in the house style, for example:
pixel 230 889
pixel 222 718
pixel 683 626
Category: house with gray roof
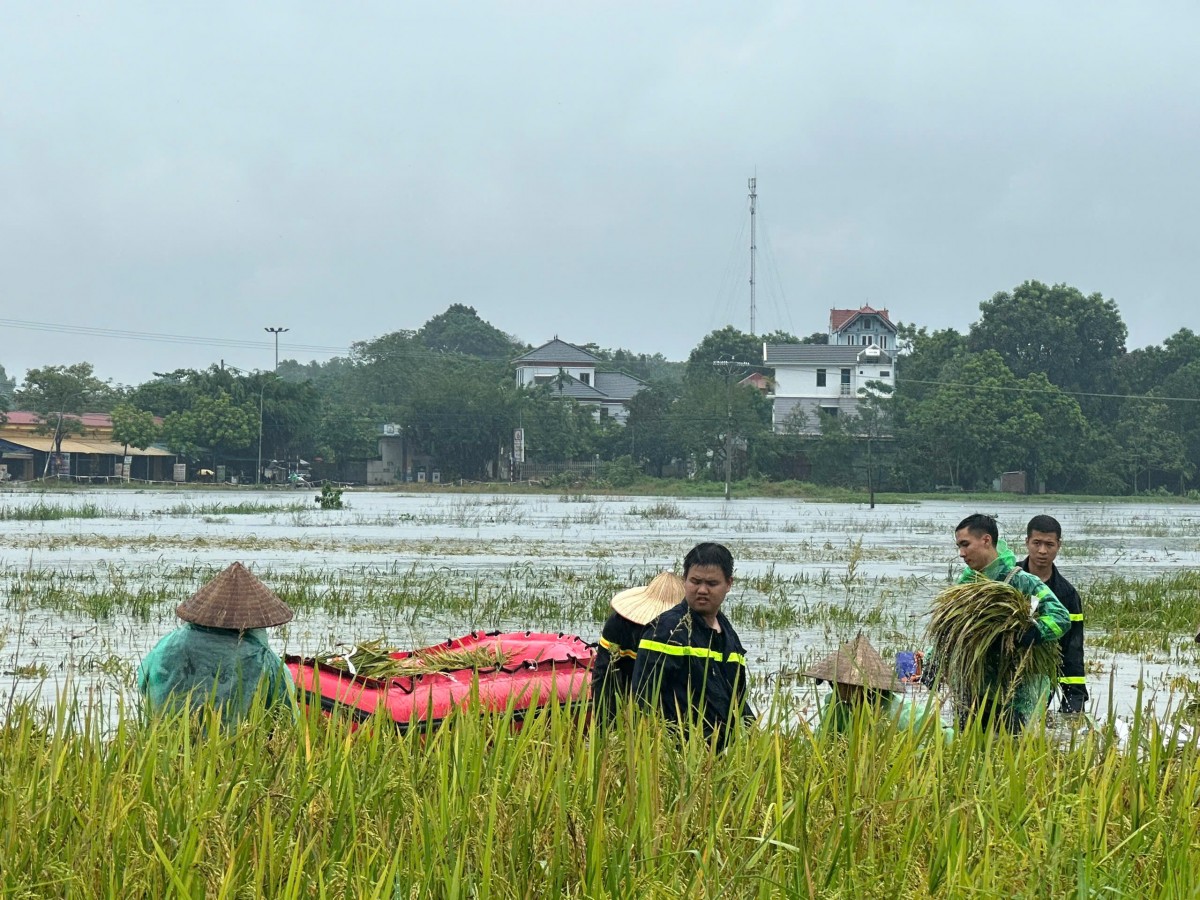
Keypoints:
pixel 815 378
pixel 570 371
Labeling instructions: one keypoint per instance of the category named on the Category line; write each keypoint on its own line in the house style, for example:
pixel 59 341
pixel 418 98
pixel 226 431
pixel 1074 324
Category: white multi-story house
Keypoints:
pixel 862 327
pixel 815 378
pixel 570 371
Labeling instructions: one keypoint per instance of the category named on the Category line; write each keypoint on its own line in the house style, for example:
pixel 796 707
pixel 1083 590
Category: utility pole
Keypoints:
pixel 753 185
pixel 277 331
pixel 729 366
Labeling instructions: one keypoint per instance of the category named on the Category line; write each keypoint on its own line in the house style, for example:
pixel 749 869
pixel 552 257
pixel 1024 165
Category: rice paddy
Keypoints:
pixel 112 804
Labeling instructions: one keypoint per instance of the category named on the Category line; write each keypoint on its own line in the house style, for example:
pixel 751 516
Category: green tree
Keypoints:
pixel 724 343
pixel 649 367
pixel 648 436
pixel 556 429
pixel 347 433
pixel 463 420
pixel 922 357
pixel 214 425
pixel 1075 340
pixel 59 395
pixel 832 451
pixel 7 387
pixel 974 425
pixel 1147 443
pixel 133 427
pixel 713 408
pixel 1057 450
pixel 460 330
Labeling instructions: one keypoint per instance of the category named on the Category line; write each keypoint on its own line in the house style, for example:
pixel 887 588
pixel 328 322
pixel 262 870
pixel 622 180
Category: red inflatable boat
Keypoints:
pixel 542 669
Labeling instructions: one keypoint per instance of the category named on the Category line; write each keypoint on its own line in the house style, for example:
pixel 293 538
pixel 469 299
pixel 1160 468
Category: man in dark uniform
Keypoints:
pixel 690 664
pixel 1043 540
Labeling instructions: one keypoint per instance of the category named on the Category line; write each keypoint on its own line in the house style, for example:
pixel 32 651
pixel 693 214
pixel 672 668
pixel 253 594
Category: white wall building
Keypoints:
pixel 570 371
pixel 815 378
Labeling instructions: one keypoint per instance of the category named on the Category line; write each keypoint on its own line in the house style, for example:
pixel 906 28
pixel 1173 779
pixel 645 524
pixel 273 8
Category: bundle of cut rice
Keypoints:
pixel 974 631
pixel 371 659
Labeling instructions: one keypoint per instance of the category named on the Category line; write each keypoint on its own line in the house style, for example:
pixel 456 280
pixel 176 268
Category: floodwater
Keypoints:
pixel 894 557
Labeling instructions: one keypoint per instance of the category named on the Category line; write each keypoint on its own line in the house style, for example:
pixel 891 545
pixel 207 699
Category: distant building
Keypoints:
pixel 570 371
pixel 815 378
pixel 862 327
pixel 88 450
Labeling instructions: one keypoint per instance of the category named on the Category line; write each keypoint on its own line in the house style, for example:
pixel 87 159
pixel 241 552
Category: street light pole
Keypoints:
pixel 258 469
pixel 276 332
pixel 727 365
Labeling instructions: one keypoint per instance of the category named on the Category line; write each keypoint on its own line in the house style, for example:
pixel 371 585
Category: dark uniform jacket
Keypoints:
pixel 1072 679
pixel 612 669
pixel 692 673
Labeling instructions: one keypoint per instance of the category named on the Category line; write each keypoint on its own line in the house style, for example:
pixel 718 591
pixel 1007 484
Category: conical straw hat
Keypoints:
pixel 645 604
pixel 235 599
pixel 856 662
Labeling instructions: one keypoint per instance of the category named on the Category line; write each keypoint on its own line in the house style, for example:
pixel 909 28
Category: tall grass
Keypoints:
pixel 41 511
pixel 476 809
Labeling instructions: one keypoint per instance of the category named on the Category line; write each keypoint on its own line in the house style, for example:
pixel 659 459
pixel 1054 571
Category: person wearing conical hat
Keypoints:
pixel 220 654
pixel 860 678
pixel 633 610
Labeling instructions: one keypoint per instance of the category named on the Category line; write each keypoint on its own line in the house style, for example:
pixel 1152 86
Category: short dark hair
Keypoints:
pixel 980 524
pixel 709 554
pixel 1044 524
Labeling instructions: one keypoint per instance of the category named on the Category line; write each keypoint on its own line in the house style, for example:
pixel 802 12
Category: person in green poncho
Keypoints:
pixel 987 557
pixel 220 655
pixel 860 678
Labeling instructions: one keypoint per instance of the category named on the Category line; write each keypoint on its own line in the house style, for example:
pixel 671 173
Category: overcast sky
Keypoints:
pixel 579 169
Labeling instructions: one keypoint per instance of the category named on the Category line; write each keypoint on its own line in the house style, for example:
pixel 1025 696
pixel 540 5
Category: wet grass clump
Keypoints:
pixel 243 508
pixel 41 511
pixel 1141 616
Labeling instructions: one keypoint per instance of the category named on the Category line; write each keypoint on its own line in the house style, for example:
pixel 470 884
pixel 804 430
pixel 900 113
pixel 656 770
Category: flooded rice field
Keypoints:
pixel 89 581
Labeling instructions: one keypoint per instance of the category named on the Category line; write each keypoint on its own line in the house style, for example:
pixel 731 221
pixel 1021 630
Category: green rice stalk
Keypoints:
pixel 974 631
pixel 371 659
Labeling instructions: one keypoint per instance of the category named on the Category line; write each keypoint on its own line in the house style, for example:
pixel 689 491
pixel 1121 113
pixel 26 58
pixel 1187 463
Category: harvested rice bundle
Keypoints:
pixel 451 659
pixel 371 659
pixel 974 632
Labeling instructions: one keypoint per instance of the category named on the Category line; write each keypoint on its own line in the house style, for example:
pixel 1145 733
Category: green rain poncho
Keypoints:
pixel 1049 615
pixel 835 717
pixel 196 665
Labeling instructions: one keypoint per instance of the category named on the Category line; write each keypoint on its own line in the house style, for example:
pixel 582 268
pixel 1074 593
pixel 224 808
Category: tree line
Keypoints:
pixel 1041 382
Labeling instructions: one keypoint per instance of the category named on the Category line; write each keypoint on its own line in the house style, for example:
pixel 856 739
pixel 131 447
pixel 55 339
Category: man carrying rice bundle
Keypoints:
pixel 989 559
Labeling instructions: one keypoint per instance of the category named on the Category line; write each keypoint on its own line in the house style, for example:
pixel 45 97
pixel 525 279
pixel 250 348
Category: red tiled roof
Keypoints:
pixel 840 318
pixel 90 420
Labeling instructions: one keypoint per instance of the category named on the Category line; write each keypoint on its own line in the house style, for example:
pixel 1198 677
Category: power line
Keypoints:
pixel 1051 390
pixel 155 337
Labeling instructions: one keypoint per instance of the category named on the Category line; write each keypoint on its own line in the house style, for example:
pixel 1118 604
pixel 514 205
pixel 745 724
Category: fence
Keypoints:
pixel 529 470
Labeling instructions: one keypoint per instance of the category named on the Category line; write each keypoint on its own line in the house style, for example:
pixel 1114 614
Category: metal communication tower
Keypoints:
pixel 753 184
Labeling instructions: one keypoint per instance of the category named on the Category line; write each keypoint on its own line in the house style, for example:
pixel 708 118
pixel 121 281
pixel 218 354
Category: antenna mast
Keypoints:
pixel 753 185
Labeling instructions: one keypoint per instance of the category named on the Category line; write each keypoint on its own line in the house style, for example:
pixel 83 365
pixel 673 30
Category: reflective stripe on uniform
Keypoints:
pixel 1055 628
pixel 679 650
pixel 1076 617
pixel 616 649
pixel 1072 679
